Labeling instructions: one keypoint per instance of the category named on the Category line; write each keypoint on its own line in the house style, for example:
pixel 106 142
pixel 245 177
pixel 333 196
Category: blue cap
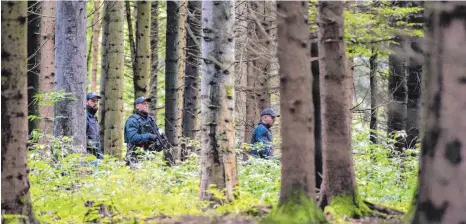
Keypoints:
pixel 269 111
pixel 92 95
pixel 142 99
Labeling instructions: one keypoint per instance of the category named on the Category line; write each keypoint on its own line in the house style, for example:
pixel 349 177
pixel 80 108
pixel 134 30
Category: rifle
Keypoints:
pixel 161 140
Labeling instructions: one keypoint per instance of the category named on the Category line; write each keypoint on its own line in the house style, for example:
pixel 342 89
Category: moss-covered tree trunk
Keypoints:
pixel 174 76
pixel 339 184
pixel 296 204
pixel 15 182
pixel 47 65
pixel 193 56
pixel 218 156
pixel 33 46
pixel 373 85
pixel 317 111
pixel 113 71
pixel 442 165
pixel 154 42
pixel 70 62
pixel 143 51
pixel 96 24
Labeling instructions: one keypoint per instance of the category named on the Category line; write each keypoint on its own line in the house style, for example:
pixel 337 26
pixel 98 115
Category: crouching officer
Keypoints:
pixel 141 131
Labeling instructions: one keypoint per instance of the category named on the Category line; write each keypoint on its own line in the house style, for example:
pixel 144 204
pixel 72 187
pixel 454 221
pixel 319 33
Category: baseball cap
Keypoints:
pixel 269 111
pixel 92 95
pixel 142 99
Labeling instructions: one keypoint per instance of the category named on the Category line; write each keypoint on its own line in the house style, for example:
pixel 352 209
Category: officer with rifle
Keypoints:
pixel 141 131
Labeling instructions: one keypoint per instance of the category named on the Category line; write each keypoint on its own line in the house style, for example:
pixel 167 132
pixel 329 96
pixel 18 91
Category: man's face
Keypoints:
pixel 143 107
pixel 93 102
pixel 267 119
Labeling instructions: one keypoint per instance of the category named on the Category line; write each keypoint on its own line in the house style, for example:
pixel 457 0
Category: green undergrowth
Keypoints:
pixel 384 176
pixel 73 190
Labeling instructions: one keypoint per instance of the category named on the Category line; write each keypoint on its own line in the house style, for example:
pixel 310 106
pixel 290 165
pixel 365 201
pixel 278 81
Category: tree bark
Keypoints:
pixel 241 26
pixel 414 71
pixel 396 110
pixel 47 65
pixel 113 71
pixel 143 51
pixel 71 71
pixel 132 45
pixel 95 43
pixel 373 85
pixel 33 46
pixel 218 156
pixel 174 76
pixel 339 185
pixel 296 107
pixel 154 36
pixel 191 89
pixel 317 112
pixel 442 166
pixel 15 182
pixel 262 64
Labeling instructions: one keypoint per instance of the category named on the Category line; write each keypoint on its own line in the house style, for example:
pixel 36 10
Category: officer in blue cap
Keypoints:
pixel 92 126
pixel 262 138
pixel 141 131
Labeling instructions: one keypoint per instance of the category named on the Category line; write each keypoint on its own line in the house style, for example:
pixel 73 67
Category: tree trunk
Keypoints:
pixel 95 43
pixel 154 36
pixel 373 84
pixel 297 120
pixel 317 112
pixel 33 46
pixel 143 51
pixel 262 39
pixel 414 86
pixel 132 45
pixel 442 167
pixel 113 71
pixel 174 76
pixel 396 110
pixel 339 187
pixel 71 71
pixel 241 26
pixel 15 182
pixel 218 155
pixel 252 109
pixel 47 65
pixel 191 89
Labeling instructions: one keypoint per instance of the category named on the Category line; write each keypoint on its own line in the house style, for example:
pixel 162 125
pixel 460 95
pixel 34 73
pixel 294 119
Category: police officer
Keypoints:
pixel 92 126
pixel 141 131
pixel 262 136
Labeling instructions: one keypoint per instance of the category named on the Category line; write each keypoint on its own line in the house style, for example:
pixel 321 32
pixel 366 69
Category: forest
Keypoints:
pixel 246 111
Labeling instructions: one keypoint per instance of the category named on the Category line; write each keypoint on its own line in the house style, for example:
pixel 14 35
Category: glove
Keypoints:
pixel 152 137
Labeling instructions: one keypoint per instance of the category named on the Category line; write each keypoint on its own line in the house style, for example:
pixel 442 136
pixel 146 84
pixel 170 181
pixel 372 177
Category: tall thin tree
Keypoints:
pixel 70 58
pixel 191 88
pixel 442 165
pixel 47 65
pixel 113 71
pixel 15 182
pixel 154 42
pixel 143 51
pixel 317 110
pixel 373 85
pixel 174 76
pixel 96 25
pixel 218 156
pixel 33 61
pixel 339 184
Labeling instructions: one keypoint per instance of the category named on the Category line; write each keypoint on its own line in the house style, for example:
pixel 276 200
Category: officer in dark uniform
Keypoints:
pixel 262 136
pixel 141 131
pixel 92 126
